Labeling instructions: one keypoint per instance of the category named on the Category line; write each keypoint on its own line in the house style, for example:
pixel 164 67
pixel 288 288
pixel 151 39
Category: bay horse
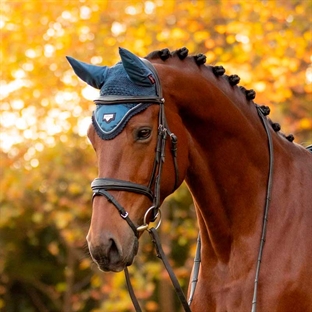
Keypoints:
pixel 169 117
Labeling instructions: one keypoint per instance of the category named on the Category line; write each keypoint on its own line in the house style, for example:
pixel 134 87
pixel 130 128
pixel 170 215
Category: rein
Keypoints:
pixel 197 259
pixel 160 254
pixel 267 203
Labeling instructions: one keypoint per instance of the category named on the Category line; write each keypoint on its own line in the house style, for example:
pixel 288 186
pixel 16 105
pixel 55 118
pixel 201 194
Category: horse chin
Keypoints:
pixel 111 267
pixel 114 267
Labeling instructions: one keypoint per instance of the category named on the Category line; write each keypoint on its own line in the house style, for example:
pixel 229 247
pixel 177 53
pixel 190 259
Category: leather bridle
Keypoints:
pixel 102 186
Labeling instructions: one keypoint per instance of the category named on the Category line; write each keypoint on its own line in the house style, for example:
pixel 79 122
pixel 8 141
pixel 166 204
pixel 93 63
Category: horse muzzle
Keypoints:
pixel 111 256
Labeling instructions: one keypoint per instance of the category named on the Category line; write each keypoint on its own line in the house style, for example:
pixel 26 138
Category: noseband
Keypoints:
pixel 102 186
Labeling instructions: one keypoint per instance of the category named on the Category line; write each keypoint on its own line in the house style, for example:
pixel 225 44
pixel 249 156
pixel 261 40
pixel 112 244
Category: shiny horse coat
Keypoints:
pixel 222 154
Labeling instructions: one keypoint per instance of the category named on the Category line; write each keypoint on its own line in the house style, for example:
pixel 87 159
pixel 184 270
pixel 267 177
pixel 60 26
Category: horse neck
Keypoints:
pixel 227 173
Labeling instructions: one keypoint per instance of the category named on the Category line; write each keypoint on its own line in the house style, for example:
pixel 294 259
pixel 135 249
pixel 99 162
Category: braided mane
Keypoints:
pixel 218 71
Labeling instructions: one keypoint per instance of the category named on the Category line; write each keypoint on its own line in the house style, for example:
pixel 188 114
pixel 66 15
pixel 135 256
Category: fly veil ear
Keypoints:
pixel 126 89
pixel 136 69
pixel 93 75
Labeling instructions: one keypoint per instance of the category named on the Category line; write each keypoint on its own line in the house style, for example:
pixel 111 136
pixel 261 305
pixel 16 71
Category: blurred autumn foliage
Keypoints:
pixel 47 164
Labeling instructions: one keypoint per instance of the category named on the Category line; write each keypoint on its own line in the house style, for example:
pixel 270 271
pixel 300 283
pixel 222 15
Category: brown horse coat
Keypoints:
pixel 223 156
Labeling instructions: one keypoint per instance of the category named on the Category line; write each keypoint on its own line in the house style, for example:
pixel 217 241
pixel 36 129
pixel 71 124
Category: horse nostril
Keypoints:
pixel 106 253
pixel 113 252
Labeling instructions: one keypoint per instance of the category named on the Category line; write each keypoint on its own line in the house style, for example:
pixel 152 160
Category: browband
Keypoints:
pixel 115 99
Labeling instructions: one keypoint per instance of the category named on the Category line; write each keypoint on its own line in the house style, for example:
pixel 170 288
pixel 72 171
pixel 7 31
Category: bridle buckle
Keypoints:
pixel 145 225
pixel 125 215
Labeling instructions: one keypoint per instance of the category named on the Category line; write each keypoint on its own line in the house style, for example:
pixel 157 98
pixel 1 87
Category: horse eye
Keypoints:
pixel 144 134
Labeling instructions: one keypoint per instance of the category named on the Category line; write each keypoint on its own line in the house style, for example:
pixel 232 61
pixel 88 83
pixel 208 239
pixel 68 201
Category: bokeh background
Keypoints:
pixel 47 163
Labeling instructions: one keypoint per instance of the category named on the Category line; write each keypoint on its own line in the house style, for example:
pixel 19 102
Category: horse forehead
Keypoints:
pixel 147 115
pixel 100 145
pixel 108 151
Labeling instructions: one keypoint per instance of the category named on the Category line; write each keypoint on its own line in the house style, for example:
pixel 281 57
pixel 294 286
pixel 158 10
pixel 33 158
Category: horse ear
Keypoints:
pixel 93 75
pixel 137 71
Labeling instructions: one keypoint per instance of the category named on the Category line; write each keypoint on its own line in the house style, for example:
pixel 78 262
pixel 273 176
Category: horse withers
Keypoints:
pixel 167 118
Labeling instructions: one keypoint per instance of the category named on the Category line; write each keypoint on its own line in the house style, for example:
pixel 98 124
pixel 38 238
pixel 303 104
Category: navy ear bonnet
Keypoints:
pixel 126 89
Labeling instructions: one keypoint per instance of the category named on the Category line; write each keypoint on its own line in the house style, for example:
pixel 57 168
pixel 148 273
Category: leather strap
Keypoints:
pixel 131 292
pixel 121 210
pixel 197 261
pixel 267 203
pixel 120 185
pixel 160 254
pixel 112 100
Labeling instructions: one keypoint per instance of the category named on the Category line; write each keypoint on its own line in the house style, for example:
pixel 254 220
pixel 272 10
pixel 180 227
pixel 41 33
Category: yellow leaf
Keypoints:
pixel 305 123
pixel 53 248
pixel 85 264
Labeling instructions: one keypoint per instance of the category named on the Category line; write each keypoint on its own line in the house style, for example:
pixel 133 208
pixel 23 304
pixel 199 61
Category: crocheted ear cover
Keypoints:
pixel 130 77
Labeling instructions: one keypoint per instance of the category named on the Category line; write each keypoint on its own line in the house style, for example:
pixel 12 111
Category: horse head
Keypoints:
pixel 131 137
